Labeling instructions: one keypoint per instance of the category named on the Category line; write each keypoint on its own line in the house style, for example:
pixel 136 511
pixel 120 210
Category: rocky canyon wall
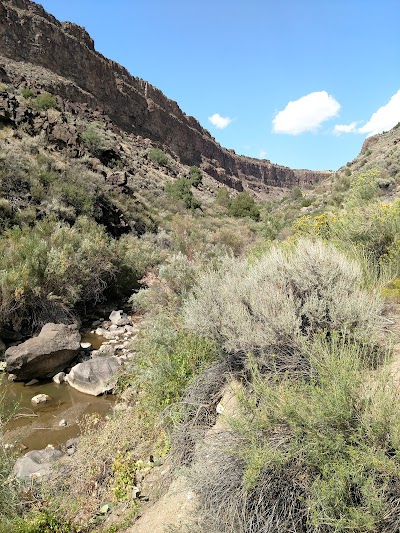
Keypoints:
pixel 35 48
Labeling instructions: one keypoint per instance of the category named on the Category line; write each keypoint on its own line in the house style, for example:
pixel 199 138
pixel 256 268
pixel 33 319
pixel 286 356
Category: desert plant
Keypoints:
pixel 27 93
pixel 158 156
pixel 222 197
pixel 49 268
pixel 45 101
pixel 291 293
pixel 94 138
pixel 243 205
pixel 315 456
pixel 196 176
pixel 180 190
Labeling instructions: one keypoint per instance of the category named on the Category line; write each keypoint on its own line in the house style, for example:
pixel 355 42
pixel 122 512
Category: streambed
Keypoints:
pixel 33 427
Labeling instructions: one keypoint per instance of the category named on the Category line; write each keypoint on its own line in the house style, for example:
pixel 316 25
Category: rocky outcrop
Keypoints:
pixel 95 376
pixel 45 355
pixel 70 67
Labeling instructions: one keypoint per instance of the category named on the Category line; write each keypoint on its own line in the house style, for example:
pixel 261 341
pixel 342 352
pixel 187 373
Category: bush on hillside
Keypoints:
pixel 158 156
pixel 222 197
pixel 27 93
pixel 373 228
pixel 243 205
pixel 319 455
pixel 45 101
pixel 196 176
pixel 180 190
pixel 288 295
pixel 50 267
pixel 94 138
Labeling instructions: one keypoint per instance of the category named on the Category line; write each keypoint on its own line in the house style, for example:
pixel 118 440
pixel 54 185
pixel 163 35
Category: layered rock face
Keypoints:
pixel 69 66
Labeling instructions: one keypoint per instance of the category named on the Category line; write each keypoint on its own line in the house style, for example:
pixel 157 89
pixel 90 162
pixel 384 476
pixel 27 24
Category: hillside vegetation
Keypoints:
pixel 290 298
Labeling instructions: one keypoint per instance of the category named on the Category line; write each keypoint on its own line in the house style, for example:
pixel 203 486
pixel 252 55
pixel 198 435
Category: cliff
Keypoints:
pixel 37 50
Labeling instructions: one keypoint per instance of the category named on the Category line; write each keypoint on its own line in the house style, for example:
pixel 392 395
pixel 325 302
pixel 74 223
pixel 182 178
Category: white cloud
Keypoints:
pixel 306 114
pixel 219 122
pixel 345 128
pixel 262 154
pixel 385 118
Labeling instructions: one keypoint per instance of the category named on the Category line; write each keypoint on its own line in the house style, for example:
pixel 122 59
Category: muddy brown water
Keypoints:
pixel 33 427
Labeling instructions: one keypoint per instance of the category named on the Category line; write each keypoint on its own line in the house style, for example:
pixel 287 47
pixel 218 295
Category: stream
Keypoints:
pixel 33 427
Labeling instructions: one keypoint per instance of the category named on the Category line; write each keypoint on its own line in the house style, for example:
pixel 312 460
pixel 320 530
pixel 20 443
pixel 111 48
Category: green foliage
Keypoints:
pixel 342 435
pixel 296 193
pixel 50 267
pixel 222 197
pixel 8 491
pixel 196 176
pixel 158 156
pixel 373 228
pixel 27 93
pixel 272 225
pixel 94 138
pixel 270 306
pixel 364 188
pixel 392 291
pixel 45 101
pixel 180 190
pixel 168 357
pixel 243 205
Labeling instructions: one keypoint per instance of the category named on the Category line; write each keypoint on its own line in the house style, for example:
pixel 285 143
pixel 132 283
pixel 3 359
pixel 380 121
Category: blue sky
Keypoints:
pixel 299 82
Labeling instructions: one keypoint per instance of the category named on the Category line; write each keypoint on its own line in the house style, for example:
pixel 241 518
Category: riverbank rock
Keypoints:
pixel 40 398
pixel 59 378
pixel 45 355
pixel 95 376
pixel 119 318
pixel 37 465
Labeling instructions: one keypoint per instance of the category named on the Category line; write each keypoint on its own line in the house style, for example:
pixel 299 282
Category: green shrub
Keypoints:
pixel 320 455
pixel 196 176
pixel 222 197
pixel 45 101
pixel 180 190
pixel 290 294
pixel 158 156
pixel 49 268
pixel 243 205
pixel 296 193
pixel 9 499
pixel 364 188
pixel 27 93
pixel 272 225
pixel 168 357
pixel 94 138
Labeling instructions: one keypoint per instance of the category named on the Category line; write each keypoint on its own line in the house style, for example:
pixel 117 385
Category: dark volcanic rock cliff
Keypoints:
pixel 36 49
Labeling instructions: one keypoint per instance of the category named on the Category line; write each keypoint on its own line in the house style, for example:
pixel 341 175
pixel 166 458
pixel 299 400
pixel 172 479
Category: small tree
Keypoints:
pixel 196 176
pixel 180 190
pixel 243 205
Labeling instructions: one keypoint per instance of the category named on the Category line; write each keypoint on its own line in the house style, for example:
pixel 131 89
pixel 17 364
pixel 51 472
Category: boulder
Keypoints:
pixel 59 378
pixel 37 464
pixel 95 376
pixel 119 318
pixel 45 355
pixel 40 398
